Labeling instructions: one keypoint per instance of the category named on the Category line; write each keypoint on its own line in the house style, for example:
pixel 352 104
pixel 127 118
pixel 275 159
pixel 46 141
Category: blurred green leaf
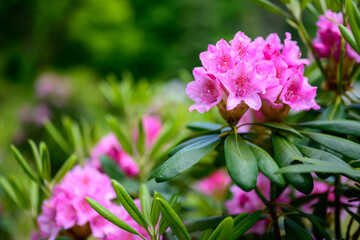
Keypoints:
pixel 334 111
pixel 10 191
pixel 295 231
pixel 67 166
pixel 111 217
pixel 119 132
pixel 204 126
pixel 204 223
pixel 45 160
pixel 206 234
pixel 128 204
pixel 240 162
pixel 185 158
pixel 348 127
pixel 224 230
pixel 166 135
pixel 59 139
pixel 349 37
pixel 187 143
pixel 337 144
pixel 36 154
pixel 145 201
pixel 267 165
pixel 244 225
pixel 268 6
pixel 352 21
pixel 277 126
pixel 355 216
pixel 173 220
pixel 304 4
pixel 284 152
pixel 22 162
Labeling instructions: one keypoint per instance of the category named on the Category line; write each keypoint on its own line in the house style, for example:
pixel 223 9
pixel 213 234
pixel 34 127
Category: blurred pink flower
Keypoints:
pixel 52 88
pixel 67 206
pixel 152 128
pixel 110 146
pixel 215 184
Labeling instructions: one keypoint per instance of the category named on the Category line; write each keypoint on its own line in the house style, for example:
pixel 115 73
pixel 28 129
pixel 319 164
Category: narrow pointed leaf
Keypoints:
pixel 173 220
pixel 36 154
pixel 295 231
pixel 22 162
pixel 267 165
pixel 145 200
pixel 185 158
pixel 110 216
pixel 352 21
pixel 268 6
pixel 141 140
pixel 337 144
pixel 187 143
pixel 284 152
pixel 163 226
pixel 224 230
pixel 206 234
pixel 155 209
pixel 204 223
pixel 349 37
pixel 123 139
pixel 56 135
pixel 128 204
pixel 45 160
pixel 240 217
pixel 355 216
pixel 67 166
pixel 277 126
pixel 334 111
pixel 240 162
pixel 244 225
pixel 9 191
pixel 349 127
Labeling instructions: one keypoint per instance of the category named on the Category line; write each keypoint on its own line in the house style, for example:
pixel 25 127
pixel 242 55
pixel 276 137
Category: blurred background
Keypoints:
pixel 54 55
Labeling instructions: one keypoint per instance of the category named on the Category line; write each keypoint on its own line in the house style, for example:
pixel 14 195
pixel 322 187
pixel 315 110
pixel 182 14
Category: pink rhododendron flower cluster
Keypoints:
pixel 242 201
pixel 215 185
pixel 67 208
pixel 246 73
pixel 110 146
pixel 327 43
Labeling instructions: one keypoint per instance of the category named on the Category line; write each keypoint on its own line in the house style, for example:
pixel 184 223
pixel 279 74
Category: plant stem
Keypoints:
pixel 337 206
pixel 272 206
pixel 341 67
pixel 261 196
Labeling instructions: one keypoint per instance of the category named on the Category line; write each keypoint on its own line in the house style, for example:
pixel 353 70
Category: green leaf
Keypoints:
pixel 268 6
pixel 267 165
pixel 67 166
pixel 224 230
pixel 348 127
pixel 141 140
pixel 22 162
pixel 304 4
pixel 352 21
pixel 277 126
pixel 284 152
pixel 21 193
pixel 187 143
pixel 36 154
pixel 10 191
pixel 163 226
pixel 240 217
pixel 45 160
pixel 337 144
pixel 173 220
pixel 123 139
pixel 244 225
pixel 165 136
pixel 59 139
pixel 240 162
pixel 318 222
pixel 334 111
pixel 111 217
pixel 355 216
pixel 185 158
pixel 349 37
pixel 204 223
pixel 128 204
pixel 155 209
pixel 204 126
pixel 206 234
pixel 295 231
pixel 318 166
pixel 145 201
pixel 355 164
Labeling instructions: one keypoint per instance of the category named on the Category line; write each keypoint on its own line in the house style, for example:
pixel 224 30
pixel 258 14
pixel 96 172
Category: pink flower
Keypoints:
pixel 240 45
pixel 215 184
pixel 205 90
pixel 110 146
pixel 298 93
pixel 217 59
pixel 291 53
pixel 68 207
pixel 152 128
pixel 249 201
pixel 249 117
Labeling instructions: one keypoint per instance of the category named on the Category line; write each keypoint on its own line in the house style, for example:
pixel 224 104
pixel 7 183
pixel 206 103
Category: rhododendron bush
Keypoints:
pixel 276 154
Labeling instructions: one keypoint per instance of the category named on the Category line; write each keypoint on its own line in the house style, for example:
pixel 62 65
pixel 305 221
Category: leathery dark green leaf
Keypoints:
pixel 240 162
pixel 295 231
pixel 185 158
pixel 341 145
pixel 284 152
pixel 244 225
pixel 349 127
pixel 224 230
pixel 173 220
pixel 267 165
